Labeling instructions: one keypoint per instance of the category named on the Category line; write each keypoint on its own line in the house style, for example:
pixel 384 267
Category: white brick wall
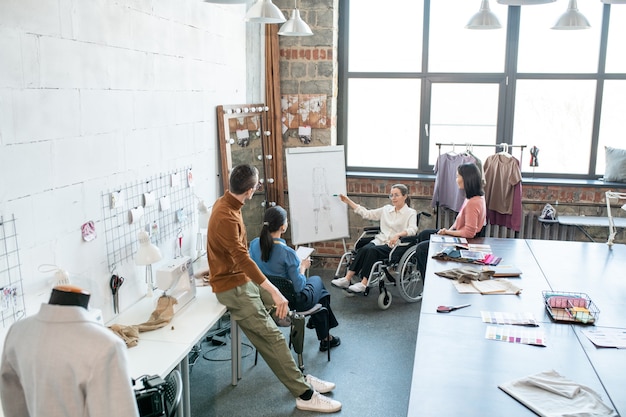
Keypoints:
pixel 96 94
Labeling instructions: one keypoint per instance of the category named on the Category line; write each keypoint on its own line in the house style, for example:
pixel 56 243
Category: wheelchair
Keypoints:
pixel 399 269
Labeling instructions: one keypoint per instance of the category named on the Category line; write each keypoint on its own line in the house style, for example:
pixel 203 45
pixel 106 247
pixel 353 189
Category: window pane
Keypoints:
pixel 385 36
pixel 456 49
pixel 383 123
pixel 463 114
pixel 615 56
pixel 545 50
pixel 613 123
pixel 556 116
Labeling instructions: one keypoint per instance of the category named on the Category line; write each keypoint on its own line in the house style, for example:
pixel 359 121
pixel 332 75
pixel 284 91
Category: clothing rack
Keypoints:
pixel 505 148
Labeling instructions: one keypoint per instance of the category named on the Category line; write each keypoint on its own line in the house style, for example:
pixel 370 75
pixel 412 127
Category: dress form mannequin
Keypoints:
pixel 69 295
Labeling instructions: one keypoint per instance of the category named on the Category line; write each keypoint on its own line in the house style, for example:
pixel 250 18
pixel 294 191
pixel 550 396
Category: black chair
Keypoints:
pixel 173 392
pixel 296 318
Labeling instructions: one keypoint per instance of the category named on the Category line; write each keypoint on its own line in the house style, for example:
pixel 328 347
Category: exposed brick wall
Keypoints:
pixel 372 193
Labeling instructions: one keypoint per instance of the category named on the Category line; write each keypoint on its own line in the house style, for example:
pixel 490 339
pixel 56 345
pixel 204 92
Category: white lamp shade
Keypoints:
pixel 264 11
pixel 295 26
pixel 524 2
pixel 148 253
pixel 572 19
pixel 484 19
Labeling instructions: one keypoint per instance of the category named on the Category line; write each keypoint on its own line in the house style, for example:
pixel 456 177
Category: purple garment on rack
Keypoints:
pixel 447 192
pixel 514 220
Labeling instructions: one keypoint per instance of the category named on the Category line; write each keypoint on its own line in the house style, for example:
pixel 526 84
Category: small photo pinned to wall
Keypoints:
pixel 117 199
pixel 164 203
pixel 181 215
pixel 175 179
pixel 190 182
pixel 136 214
pixel 88 231
pixel 304 133
pixel 149 199
pixel 243 137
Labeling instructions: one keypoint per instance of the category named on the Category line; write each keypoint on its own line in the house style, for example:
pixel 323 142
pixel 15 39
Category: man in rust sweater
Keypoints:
pixel 235 279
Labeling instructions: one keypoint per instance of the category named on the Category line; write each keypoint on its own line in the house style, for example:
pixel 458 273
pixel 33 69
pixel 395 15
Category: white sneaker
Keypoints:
pixel 318 385
pixel 318 403
pixel 358 287
pixel 341 282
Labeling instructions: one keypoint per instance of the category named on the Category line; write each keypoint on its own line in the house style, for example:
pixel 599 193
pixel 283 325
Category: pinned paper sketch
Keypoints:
pixel 117 199
pixel 316 175
pixel 304 133
pixel 149 199
pixel 243 137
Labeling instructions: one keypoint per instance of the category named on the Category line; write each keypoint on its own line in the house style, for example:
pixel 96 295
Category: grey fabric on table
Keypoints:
pixel 551 395
pixel 465 275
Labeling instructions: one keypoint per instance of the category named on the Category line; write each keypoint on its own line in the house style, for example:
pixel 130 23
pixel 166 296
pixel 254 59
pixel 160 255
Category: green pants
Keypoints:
pixel 245 305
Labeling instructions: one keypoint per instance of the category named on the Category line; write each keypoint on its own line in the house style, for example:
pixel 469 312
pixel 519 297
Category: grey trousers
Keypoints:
pixel 245 305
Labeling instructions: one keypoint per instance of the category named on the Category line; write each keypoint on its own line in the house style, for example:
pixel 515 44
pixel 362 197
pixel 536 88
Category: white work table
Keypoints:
pixel 160 351
pixel 590 221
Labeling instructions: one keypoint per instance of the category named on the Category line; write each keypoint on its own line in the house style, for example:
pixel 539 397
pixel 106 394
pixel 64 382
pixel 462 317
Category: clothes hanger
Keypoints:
pixel 453 151
pixel 505 150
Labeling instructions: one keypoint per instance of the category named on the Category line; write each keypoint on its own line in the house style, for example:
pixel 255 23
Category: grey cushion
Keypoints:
pixel 615 164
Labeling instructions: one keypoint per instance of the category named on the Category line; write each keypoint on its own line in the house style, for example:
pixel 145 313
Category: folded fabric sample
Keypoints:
pixel 465 275
pixel 549 394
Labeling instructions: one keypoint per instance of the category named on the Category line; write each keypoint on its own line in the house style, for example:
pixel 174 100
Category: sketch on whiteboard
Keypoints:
pixel 321 203
pixel 315 177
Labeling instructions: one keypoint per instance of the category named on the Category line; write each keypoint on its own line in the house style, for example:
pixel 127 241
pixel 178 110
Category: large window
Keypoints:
pixel 414 80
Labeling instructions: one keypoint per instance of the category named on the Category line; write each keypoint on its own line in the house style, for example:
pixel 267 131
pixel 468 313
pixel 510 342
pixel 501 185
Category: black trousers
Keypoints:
pixel 367 256
pixel 314 292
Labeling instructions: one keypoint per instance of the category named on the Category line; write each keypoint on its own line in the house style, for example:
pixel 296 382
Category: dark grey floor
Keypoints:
pixel 372 368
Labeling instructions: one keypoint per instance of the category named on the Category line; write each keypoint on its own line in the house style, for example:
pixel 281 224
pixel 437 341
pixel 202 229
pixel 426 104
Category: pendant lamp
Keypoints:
pixel 572 19
pixel 264 11
pixel 226 1
pixel 295 26
pixel 524 2
pixel 484 19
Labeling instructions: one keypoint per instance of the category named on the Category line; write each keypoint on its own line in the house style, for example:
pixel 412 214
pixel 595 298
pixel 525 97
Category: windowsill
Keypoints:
pixel 530 180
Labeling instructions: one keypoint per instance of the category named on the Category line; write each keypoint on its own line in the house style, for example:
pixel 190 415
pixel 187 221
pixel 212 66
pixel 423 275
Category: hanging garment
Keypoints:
pixel 512 221
pixel 502 173
pixel 479 164
pixel 447 192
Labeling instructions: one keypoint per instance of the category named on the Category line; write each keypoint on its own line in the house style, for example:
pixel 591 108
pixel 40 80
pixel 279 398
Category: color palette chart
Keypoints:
pixel 523 335
pixel 499 317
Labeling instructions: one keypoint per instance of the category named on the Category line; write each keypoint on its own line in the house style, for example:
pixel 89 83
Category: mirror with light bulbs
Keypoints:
pixel 245 137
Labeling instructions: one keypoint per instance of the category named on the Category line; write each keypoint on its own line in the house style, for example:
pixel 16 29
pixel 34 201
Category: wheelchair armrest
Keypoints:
pixel 407 240
pixel 371 229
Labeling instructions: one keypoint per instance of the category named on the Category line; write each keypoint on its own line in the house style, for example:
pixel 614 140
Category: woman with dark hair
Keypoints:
pixel 397 220
pixel 275 258
pixel 471 218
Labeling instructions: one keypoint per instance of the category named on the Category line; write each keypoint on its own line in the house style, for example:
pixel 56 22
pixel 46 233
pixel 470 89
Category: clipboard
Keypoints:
pixel 304 252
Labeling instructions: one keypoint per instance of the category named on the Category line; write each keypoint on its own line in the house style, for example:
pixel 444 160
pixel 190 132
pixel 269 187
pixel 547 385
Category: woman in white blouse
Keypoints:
pixel 397 220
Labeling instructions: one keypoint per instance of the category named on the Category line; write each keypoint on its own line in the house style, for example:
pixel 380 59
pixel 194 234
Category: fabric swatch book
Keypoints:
pixel 447 239
pixel 503 270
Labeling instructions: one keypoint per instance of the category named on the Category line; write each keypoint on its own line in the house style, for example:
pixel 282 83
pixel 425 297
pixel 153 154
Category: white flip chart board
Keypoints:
pixel 316 176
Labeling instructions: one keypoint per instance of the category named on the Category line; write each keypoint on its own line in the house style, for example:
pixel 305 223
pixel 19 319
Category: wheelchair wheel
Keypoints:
pixel 384 300
pixel 409 277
